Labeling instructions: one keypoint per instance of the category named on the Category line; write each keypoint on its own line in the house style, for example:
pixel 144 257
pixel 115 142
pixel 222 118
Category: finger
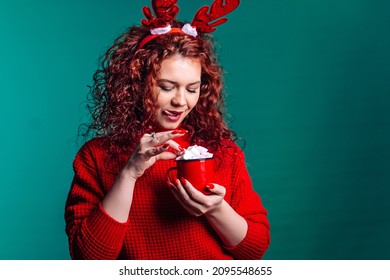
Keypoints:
pixel 191 210
pixel 170 184
pixel 147 137
pixel 166 155
pixel 172 147
pixel 182 197
pixel 181 190
pixel 150 138
pixel 156 151
pixel 192 192
pixel 175 148
pixel 162 137
pixel 216 189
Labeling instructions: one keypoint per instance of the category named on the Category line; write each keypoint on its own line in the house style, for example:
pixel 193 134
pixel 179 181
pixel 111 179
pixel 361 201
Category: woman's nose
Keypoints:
pixel 179 98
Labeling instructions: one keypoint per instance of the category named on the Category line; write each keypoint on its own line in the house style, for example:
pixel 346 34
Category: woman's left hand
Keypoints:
pixel 228 224
pixel 195 202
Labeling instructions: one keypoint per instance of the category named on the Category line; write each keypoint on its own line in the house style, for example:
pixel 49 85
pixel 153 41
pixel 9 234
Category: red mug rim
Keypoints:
pixel 196 159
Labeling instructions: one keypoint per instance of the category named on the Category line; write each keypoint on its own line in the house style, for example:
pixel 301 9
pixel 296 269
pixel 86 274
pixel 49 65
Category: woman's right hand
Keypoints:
pixel 152 148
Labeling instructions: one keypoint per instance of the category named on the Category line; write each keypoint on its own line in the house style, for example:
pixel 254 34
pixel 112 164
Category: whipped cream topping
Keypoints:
pixel 195 152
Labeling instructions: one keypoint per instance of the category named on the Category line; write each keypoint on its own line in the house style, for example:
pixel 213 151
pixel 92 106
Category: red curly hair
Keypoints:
pixel 122 107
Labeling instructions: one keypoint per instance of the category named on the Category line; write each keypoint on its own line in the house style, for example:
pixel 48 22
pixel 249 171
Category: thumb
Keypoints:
pixel 166 156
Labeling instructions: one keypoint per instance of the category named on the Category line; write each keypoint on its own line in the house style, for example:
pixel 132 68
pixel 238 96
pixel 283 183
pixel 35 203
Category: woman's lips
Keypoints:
pixel 172 116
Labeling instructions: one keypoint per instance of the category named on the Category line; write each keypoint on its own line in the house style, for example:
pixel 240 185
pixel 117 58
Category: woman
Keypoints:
pixel 155 95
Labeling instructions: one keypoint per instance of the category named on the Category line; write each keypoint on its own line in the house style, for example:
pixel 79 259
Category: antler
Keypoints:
pixel 203 20
pixel 165 12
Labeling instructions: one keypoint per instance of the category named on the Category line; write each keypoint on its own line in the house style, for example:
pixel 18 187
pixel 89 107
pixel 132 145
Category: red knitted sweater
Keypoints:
pixel 158 227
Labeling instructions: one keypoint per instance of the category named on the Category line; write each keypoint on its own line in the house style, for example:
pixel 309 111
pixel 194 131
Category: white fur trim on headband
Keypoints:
pixel 160 30
pixel 188 29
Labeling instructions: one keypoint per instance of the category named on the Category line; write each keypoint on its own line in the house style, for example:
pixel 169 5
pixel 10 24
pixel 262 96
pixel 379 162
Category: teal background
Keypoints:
pixel 308 88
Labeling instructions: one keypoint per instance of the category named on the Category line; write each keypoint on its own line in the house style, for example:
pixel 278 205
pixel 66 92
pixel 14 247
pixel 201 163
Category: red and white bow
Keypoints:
pixel 204 21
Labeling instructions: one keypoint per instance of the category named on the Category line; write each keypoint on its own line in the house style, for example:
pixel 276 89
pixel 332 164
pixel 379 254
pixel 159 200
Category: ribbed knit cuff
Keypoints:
pixel 106 230
pixel 253 246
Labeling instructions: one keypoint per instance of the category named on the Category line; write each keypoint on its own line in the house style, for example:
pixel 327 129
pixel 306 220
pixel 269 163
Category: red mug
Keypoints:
pixel 199 172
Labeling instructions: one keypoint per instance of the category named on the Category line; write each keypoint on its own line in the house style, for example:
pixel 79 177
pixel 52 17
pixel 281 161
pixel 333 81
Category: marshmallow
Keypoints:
pixel 195 152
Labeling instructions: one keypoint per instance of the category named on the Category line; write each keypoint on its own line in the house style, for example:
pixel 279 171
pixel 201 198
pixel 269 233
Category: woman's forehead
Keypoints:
pixel 178 67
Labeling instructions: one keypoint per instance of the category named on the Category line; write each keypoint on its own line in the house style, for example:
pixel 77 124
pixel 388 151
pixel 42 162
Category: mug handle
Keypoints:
pixel 168 172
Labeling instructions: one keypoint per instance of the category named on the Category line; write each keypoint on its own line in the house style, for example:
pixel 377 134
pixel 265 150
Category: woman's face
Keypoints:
pixel 176 90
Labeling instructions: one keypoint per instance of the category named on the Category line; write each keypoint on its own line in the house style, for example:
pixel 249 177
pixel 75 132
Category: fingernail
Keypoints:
pixel 210 186
pixel 179 131
pixel 183 181
pixel 180 151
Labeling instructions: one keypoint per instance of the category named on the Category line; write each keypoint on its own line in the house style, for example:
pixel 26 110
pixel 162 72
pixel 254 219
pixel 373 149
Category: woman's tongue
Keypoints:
pixel 172 116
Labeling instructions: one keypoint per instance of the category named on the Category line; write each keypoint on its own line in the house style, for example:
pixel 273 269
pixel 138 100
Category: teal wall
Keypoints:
pixel 308 88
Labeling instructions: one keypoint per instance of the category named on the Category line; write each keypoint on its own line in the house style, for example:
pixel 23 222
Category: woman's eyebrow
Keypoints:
pixel 166 81
pixel 194 83
pixel 175 83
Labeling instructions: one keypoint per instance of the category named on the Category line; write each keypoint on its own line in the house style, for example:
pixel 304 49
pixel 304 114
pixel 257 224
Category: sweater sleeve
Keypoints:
pixel 247 203
pixel 92 233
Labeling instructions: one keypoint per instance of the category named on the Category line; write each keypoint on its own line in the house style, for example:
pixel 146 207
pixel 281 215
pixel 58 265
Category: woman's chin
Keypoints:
pixel 165 126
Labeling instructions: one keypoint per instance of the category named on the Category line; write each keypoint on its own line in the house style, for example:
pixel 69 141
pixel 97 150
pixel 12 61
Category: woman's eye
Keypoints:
pixel 191 90
pixel 166 88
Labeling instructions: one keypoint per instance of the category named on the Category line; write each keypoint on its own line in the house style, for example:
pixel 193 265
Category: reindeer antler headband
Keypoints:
pixel 205 20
